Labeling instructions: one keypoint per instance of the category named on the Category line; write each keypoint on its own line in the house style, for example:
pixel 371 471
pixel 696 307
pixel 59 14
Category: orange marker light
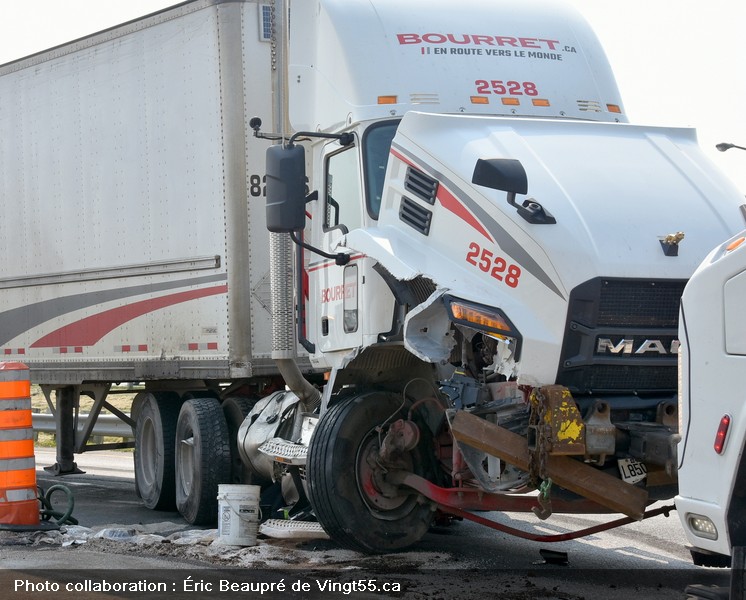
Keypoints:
pixel 476 316
pixel 540 102
pixel 511 101
pixel 387 99
pixel 615 108
pixel 480 100
pixel 735 244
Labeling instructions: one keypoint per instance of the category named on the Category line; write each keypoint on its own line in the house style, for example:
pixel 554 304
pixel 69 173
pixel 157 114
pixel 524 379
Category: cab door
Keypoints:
pixel 334 290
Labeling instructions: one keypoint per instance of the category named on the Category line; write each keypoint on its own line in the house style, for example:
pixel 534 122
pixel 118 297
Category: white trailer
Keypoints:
pixel 131 250
pixel 475 341
pixel 134 237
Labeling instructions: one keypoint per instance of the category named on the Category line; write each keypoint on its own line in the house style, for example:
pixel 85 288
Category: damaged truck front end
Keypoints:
pixel 533 346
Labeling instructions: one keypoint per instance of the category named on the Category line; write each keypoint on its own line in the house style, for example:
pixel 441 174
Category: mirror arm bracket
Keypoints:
pixel 532 211
pixel 340 258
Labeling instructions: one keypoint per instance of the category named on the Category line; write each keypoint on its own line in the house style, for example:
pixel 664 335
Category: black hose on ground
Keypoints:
pixel 47 511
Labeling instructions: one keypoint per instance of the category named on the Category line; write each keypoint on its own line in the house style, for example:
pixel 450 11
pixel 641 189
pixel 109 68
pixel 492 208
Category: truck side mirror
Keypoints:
pixel 286 188
pixel 508 175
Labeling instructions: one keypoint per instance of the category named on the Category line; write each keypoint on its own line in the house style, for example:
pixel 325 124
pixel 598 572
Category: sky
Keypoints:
pixel 677 62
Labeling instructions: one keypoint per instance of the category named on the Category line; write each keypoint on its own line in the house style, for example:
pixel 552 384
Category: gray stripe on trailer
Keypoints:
pixel 16 321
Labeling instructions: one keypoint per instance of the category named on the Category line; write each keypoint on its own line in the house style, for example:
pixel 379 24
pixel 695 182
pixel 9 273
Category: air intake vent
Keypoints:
pixel 589 106
pixel 416 216
pixel 424 98
pixel 424 187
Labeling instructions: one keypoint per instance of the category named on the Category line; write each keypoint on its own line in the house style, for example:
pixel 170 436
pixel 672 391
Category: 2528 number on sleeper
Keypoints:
pixel 502 88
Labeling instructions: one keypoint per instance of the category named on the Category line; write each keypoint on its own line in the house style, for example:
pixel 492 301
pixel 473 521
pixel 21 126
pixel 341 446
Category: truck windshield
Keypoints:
pixel 376 148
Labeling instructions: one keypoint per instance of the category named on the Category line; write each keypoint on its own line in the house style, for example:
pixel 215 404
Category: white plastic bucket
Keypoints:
pixel 238 514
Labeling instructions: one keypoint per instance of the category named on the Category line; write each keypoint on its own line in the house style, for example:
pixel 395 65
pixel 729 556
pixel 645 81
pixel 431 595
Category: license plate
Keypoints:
pixel 631 470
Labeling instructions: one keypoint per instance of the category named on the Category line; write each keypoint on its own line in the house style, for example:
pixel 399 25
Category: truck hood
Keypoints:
pixel 616 192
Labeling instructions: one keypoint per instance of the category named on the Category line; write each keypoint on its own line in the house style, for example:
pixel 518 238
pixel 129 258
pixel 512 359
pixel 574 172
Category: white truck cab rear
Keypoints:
pixel 712 470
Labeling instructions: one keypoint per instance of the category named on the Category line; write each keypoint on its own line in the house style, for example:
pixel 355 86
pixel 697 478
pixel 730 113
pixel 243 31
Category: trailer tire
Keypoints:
pixel 235 409
pixel 155 433
pixel 340 484
pixel 203 459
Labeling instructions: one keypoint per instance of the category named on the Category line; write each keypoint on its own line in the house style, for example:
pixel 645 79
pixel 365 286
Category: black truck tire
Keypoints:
pixel 340 479
pixel 155 432
pixel 203 459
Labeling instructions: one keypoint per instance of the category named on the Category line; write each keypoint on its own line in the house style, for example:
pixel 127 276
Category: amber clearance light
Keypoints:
pixel 735 244
pixel 387 99
pixel 480 317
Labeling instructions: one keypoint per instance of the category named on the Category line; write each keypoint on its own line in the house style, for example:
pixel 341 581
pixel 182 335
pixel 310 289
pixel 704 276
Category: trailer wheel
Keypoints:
pixel 155 432
pixel 342 475
pixel 202 459
pixel 235 410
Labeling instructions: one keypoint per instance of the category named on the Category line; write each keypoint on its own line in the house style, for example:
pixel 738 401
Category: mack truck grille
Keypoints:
pixel 621 336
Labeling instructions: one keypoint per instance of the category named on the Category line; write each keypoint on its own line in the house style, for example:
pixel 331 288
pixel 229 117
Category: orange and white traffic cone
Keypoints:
pixel 18 495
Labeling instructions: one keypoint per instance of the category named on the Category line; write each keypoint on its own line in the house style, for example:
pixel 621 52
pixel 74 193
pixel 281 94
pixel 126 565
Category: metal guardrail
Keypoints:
pixel 106 425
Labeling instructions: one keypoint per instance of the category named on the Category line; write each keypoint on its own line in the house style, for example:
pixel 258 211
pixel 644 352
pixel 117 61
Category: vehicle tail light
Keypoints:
pixel 722 434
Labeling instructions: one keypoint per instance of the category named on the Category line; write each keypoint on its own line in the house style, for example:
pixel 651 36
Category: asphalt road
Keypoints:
pixel 642 560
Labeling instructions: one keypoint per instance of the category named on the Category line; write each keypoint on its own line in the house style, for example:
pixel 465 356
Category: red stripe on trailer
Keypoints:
pixel 90 330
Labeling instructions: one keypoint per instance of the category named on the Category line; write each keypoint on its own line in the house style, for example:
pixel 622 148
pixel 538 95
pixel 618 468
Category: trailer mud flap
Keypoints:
pixel 571 474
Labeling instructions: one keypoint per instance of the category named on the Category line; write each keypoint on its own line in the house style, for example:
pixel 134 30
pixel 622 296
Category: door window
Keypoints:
pixel 343 191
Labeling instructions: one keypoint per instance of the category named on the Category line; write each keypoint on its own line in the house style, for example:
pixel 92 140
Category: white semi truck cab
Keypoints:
pixel 492 264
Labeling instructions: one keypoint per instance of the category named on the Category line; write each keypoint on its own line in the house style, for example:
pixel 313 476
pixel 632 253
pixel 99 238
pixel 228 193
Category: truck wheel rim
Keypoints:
pixel 186 462
pixel 148 450
pixel 383 500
